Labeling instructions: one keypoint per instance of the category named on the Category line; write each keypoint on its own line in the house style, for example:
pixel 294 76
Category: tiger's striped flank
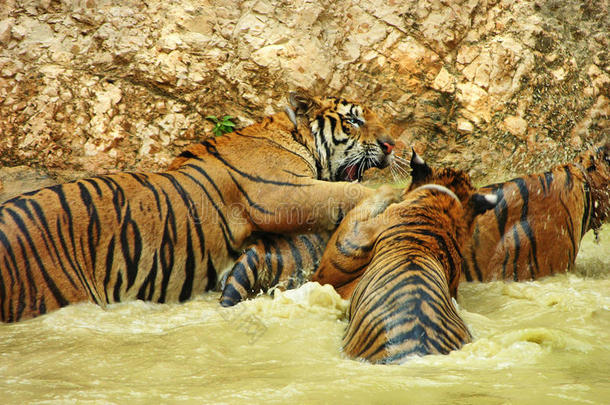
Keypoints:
pixel 284 262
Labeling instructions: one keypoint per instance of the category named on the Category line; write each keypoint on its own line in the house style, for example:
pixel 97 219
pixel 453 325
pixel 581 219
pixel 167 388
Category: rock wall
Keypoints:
pixel 494 86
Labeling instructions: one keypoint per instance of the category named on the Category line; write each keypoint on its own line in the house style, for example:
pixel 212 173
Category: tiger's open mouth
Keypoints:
pixel 355 171
pixel 351 173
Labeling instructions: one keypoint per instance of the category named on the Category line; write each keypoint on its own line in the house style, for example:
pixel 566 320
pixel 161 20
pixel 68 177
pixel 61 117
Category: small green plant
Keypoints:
pixel 221 126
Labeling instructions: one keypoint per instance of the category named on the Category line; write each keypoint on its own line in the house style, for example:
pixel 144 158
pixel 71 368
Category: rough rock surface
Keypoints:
pixel 494 86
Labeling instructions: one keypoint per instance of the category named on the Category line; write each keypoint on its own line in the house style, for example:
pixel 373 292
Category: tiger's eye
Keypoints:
pixel 355 121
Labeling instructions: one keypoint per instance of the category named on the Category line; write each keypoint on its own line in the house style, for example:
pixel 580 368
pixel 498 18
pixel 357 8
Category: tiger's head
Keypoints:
pixel 456 180
pixel 595 164
pixel 348 138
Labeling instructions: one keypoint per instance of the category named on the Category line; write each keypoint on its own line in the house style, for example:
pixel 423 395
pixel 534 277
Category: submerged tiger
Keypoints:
pixel 405 262
pixel 537 227
pixel 169 236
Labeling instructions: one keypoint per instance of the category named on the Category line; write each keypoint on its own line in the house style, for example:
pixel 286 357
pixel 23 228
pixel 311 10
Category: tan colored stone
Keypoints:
pixel 464 126
pixel 444 82
pixel 413 57
pixel 269 56
pixel 106 99
pixel 21 179
pixel 10 68
pixel 481 71
pixel 515 125
pixel 467 54
pixel 170 42
pixel 475 100
pixel 19 32
pixel 5 30
pixel 559 74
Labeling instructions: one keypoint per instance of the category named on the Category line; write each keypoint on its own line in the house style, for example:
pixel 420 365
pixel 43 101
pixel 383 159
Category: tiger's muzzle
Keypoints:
pixel 375 155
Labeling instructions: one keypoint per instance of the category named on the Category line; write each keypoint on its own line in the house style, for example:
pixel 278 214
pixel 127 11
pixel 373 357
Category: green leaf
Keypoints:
pixel 223 126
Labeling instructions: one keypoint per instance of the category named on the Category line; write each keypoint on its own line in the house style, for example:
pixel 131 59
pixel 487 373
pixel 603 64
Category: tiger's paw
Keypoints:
pixel 380 200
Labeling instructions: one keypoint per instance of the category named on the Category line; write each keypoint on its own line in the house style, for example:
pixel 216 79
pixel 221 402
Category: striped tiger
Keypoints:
pixel 338 265
pixel 536 229
pixel 401 265
pixel 171 235
pixel 402 305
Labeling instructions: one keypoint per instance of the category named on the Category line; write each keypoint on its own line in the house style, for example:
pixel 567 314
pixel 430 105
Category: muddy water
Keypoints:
pixel 544 342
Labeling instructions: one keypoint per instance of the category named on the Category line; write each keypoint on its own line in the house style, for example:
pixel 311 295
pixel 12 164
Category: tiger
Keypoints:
pixel 168 236
pixel 345 258
pixel 536 229
pixel 277 261
pixel 406 258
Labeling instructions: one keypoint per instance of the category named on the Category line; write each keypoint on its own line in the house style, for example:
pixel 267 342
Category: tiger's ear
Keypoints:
pixel 301 102
pixel 479 204
pixel 420 170
pixel 484 202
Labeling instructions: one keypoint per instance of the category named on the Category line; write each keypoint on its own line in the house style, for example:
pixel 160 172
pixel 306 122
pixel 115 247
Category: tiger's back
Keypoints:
pixel 399 260
pixel 395 305
pixel 402 305
pixel 57 248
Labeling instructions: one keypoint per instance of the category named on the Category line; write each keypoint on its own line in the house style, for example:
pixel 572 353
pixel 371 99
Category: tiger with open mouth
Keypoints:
pixel 172 235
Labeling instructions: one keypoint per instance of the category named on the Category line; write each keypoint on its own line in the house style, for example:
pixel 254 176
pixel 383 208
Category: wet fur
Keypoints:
pixel 346 255
pixel 402 304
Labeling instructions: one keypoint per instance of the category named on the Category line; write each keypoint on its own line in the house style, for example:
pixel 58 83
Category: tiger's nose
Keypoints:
pixel 386 144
